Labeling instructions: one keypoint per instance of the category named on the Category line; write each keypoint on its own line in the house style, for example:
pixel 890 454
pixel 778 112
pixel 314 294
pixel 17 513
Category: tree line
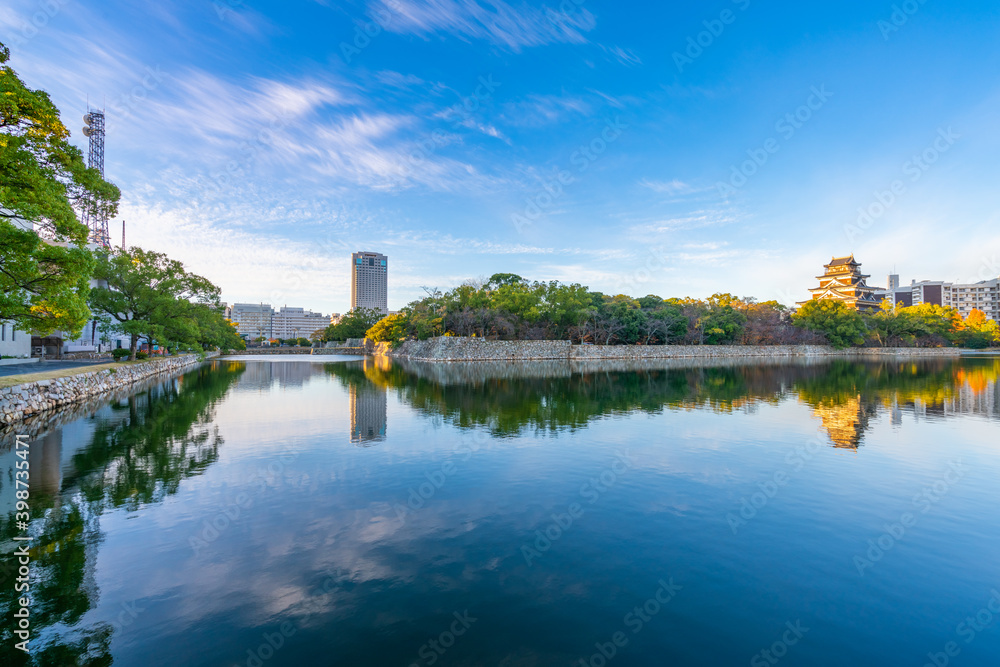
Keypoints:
pixel 508 307
pixel 46 266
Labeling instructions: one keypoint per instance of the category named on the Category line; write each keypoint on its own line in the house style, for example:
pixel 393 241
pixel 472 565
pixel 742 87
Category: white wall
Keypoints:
pixel 14 343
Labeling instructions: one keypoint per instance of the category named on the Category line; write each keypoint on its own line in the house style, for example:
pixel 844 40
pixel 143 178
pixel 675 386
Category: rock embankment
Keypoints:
pixel 454 348
pixel 31 398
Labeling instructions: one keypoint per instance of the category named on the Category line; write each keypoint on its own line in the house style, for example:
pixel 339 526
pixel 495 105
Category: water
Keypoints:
pixel 356 512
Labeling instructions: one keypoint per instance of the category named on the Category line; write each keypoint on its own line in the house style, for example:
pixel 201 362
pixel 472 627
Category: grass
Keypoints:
pixel 13 380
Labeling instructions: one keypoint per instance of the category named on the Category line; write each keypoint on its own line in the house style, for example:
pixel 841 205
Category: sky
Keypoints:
pixel 677 149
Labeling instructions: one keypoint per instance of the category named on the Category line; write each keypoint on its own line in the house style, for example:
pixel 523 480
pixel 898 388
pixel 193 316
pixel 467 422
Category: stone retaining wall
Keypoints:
pixel 31 398
pixel 272 350
pixel 454 348
pixel 343 349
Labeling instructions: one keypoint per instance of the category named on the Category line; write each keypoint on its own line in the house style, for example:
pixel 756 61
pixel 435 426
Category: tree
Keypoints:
pixel 354 324
pixel 977 332
pixel 723 322
pixel 389 329
pixel 43 178
pixel 148 295
pixel 842 325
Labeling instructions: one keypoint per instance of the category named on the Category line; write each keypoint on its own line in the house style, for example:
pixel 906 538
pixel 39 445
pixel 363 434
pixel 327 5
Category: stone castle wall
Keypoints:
pixel 454 348
pixel 31 398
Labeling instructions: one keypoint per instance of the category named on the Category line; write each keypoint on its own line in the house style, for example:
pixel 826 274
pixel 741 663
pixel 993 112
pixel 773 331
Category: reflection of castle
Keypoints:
pixel 368 407
pixel 846 422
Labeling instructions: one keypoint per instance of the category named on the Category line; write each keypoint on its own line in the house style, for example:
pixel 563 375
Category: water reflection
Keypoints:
pixel 138 450
pixel 129 453
pixel 508 399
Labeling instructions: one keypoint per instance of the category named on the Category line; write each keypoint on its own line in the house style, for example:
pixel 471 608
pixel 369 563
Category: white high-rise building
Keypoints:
pixel 369 281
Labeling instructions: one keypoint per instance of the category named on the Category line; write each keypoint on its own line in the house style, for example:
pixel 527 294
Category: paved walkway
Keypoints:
pixel 47 365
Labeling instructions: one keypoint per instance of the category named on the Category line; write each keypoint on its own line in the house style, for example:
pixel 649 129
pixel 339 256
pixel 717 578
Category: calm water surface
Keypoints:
pixel 356 512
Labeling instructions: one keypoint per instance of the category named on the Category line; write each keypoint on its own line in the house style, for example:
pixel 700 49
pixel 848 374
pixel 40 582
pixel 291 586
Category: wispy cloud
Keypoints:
pixel 537 110
pixel 626 57
pixel 674 187
pixel 496 21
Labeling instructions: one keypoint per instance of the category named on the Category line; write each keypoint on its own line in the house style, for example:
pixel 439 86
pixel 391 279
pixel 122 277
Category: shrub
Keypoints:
pixel 141 355
pixel 120 354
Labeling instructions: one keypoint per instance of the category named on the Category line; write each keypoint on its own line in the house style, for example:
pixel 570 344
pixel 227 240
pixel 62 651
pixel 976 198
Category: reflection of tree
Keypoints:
pixel 139 453
pixel 845 395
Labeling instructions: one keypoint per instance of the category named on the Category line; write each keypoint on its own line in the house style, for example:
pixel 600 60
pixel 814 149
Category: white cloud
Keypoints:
pixel 493 20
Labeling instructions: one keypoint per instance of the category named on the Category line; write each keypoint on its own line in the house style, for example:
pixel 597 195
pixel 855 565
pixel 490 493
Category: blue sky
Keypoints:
pixel 671 148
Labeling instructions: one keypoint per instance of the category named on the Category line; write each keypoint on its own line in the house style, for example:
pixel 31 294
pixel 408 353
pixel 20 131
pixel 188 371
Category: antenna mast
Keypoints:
pixel 94 129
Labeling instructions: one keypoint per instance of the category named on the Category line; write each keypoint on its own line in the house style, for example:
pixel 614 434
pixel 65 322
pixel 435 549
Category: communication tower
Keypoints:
pixel 94 130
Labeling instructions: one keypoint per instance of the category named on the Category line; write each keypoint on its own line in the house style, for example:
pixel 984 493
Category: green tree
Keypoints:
pixel 389 329
pixel 842 325
pixel 148 295
pixel 723 322
pixel 43 178
pixel 354 324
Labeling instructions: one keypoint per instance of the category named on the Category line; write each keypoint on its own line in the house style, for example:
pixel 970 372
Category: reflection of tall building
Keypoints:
pixel 368 408
pixel 845 422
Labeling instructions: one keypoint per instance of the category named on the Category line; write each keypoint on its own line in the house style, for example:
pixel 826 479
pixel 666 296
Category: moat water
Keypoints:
pixel 284 511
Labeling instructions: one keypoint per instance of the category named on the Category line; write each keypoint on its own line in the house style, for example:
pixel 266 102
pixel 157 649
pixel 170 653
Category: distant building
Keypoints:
pixel 14 343
pixel 298 323
pixel 253 320
pixel 843 281
pixel 259 320
pixel 984 295
pixel 369 281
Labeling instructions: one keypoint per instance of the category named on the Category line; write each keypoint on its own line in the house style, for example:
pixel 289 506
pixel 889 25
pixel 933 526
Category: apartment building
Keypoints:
pixel 963 297
pixel 259 320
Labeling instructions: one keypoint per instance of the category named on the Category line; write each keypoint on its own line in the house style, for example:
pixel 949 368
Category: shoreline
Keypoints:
pixel 456 349
pixel 28 399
